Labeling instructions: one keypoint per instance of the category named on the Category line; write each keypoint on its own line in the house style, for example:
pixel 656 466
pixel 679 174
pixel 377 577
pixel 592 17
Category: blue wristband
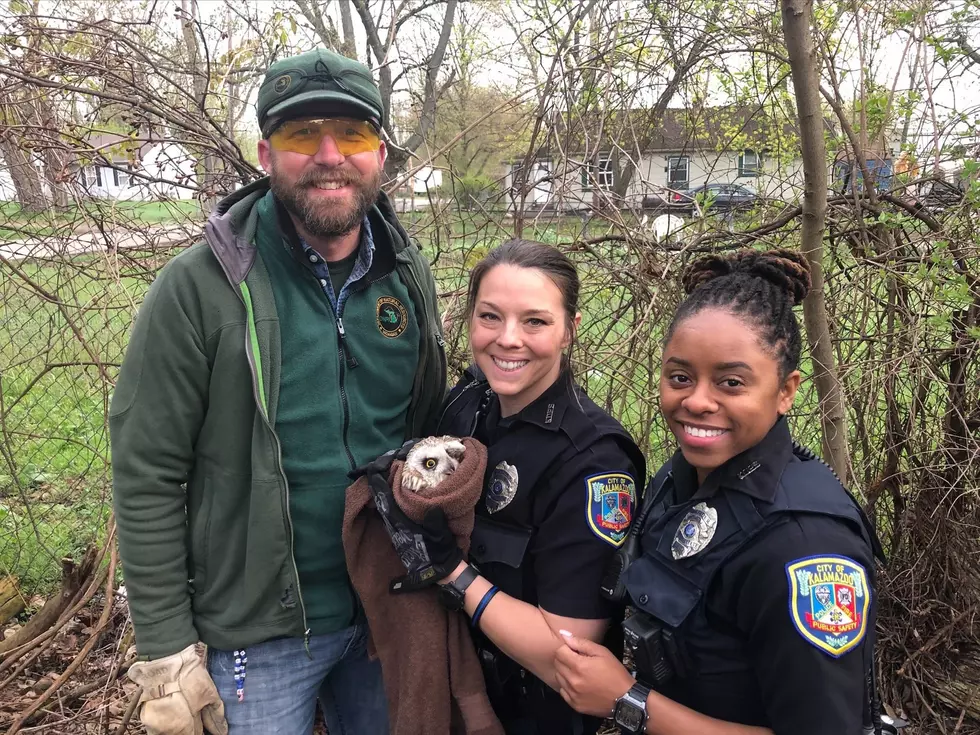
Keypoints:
pixel 478 613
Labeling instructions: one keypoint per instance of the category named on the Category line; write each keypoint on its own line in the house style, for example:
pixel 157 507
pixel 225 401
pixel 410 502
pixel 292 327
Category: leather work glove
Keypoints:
pixel 179 697
pixel 428 550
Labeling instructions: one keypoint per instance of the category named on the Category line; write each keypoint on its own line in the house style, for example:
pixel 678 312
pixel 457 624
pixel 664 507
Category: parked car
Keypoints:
pixel 713 198
pixel 657 200
pixel 939 194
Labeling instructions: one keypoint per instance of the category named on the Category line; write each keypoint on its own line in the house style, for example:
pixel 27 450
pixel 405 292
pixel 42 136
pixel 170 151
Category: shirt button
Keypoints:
pixel 313 258
pixel 644 598
pixel 323 282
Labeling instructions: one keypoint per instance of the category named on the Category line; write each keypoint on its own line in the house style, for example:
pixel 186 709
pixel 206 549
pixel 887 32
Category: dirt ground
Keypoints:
pixel 93 699
pixel 98 698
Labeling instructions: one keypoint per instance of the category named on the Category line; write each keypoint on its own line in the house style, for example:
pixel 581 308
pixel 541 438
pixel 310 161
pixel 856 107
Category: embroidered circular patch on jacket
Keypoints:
pixel 392 316
pixel 610 508
pixel 828 602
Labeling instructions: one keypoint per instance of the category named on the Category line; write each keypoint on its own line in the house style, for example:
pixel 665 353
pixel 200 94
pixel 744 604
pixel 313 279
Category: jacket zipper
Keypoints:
pixel 345 357
pixel 344 349
pixel 259 397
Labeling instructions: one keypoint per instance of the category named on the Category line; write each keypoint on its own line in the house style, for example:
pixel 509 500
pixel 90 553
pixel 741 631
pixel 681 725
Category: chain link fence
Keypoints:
pixel 70 283
pixel 99 215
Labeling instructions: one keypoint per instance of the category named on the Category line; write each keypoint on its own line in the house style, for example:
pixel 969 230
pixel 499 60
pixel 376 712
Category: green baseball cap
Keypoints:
pixel 318 82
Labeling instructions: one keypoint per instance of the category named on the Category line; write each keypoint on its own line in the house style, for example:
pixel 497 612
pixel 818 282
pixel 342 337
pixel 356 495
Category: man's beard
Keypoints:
pixel 326 218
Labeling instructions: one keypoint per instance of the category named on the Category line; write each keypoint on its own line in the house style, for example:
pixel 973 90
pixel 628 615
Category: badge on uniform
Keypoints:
pixel 502 486
pixel 612 496
pixel 828 602
pixel 695 531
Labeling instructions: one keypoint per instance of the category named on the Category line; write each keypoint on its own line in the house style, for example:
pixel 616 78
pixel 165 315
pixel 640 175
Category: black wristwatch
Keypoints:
pixel 630 713
pixel 452 594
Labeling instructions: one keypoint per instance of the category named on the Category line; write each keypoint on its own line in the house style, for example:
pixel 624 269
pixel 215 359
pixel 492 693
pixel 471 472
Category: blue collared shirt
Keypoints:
pixel 365 257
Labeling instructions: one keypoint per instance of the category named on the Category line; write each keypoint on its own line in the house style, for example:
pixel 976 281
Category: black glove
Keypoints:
pixel 382 465
pixel 428 550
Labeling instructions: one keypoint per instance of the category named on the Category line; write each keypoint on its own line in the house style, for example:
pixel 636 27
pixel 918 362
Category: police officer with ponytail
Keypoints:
pixel 751 569
pixel 558 497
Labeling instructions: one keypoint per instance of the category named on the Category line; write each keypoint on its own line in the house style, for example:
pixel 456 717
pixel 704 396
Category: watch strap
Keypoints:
pixel 464 580
pixel 640 692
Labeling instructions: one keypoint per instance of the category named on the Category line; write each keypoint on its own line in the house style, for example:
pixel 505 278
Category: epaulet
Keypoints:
pixel 805 454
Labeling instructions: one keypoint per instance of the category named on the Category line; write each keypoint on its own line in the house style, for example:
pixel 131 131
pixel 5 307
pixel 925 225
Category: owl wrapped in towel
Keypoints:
pixel 431 461
pixel 433 678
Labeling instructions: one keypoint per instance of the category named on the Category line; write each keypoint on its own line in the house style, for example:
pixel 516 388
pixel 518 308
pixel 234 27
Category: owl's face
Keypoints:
pixel 431 461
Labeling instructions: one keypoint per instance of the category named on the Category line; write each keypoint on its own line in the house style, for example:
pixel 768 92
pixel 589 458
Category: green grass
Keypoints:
pixel 54 467
pixel 16 223
pixel 53 438
pixel 35 537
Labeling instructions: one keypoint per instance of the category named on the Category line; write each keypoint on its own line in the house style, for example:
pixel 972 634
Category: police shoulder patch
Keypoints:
pixel 612 496
pixel 829 599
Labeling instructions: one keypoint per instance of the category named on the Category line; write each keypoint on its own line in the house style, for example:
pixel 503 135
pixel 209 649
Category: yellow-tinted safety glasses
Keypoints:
pixel 305 135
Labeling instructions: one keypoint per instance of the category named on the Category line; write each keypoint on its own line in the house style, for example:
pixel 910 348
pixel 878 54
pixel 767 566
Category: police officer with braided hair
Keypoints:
pixel 752 568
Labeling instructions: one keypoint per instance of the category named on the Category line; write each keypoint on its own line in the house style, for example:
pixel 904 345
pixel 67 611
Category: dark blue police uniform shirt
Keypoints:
pixel 567 555
pixel 757 666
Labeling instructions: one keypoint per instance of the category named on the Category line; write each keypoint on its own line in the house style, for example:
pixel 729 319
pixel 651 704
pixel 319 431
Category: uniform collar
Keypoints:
pixel 547 409
pixel 755 472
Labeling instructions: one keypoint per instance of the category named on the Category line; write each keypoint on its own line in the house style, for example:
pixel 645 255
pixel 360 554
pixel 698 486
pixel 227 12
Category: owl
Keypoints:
pixel 431 461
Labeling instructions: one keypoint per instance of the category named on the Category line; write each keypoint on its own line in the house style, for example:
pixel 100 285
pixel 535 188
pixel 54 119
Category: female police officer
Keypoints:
pixel 558 495
pixel 754 590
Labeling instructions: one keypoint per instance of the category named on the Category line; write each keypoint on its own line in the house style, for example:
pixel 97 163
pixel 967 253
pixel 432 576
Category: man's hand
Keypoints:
pixel 589 677
pixel 179 698
pixel 428 550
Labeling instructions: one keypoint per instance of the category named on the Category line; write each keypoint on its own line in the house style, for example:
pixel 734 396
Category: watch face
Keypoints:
pixel 629 716
pixel 450 598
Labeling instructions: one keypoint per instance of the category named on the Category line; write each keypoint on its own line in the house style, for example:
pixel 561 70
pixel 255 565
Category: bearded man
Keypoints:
pixel 300 340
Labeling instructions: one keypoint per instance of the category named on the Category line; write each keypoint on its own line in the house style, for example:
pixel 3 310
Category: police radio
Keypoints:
pixel 612 587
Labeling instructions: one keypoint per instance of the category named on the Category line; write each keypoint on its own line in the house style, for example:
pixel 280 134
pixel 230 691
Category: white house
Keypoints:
pixel 683 150
pixel 7 191
pixel 426 178
pixel 135 169
pixel 688 148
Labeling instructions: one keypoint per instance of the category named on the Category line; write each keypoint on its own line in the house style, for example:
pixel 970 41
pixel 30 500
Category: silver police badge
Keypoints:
pixel 696 530
pixel 502 486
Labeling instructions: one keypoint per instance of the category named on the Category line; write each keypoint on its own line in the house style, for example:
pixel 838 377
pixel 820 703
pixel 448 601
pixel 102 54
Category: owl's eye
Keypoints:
pixel 430 463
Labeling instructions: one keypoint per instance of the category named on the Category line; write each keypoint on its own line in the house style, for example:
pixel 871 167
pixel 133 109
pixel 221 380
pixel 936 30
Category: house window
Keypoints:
pixel 82 178
pixel 120 178
pixel 678 172
pixel 98 176
pixel 599 175
pixel 749 163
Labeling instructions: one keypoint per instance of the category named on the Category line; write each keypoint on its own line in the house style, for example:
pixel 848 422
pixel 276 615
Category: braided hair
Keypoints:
pixel 761 288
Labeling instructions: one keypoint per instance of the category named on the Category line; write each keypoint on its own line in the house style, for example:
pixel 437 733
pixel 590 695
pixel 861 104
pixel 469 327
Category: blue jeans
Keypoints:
pixel 282 683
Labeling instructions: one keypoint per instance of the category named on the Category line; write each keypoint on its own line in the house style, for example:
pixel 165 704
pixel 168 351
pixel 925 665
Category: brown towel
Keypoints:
pixel 432 676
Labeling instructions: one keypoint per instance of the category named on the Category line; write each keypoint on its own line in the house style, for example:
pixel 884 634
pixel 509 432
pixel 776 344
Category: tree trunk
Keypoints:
pixel 427 118
pixel 73 578
pixel 655 118
pixel 23 174
pixel 209 166
pixel 55 162
pixel 797 23
pixel 347 46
